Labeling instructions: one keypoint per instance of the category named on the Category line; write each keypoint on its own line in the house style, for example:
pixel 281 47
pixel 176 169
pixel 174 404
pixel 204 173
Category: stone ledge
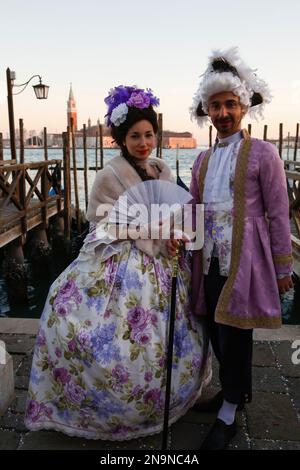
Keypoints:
pixel 6 384
pixel 286 332
pixel 27 326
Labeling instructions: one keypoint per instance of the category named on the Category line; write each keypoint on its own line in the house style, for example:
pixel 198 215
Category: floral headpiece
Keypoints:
pixel 122 97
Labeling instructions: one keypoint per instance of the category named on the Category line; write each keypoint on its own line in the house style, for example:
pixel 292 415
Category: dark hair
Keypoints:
pixel 119 133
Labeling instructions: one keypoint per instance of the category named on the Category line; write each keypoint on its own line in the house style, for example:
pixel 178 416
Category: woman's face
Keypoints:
pixel 140 140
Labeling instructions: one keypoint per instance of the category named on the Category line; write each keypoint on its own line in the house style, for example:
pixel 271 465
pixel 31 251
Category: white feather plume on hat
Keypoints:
pixel 236 77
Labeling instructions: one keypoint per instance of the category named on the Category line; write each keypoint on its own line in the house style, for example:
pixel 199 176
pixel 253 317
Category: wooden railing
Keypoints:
pixel 293 184
pixel 25 188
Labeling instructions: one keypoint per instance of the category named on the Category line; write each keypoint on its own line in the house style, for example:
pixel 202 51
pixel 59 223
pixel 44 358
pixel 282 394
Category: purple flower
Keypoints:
pixel 33 410
pixel 41 339
pixel 75 393
pixel 121 429
pixel 138 318
pixel 154 318
pixel 148 376
pixel 62 375
pixel 141 337
pixel 152 395
pixel 57 352
pixel 46 410
pixel 132 96
pixel 120 373
pixel 161 362
pixel 62 309
pixel 72 345
pixel 83 340
pixel 139 100
pixel 110 271
pixel 196 362
pixel 137 389
pixel 67 290
pixel 165 277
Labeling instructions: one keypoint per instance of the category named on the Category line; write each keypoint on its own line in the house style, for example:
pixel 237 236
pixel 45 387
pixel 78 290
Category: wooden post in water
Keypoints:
pixel 210 136
pixel 1 146
pixel 45 144
pixel 280 139
pixel 67 184
pixel 77 210
pixel 177 160
pixel 15 274
pixel 296 142
pixel 11 118
pixel 159 136
pixel 265 132
pixel 101 146
pixel 96 152
pixel 288 148
pixel 86 192
pixel 249 129
pixel 21 130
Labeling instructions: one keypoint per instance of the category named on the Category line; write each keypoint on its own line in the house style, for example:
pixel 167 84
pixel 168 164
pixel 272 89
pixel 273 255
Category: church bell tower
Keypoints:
pixel 71 110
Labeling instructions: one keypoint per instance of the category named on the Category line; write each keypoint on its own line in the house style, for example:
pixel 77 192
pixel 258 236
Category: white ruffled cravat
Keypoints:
pixel 217 181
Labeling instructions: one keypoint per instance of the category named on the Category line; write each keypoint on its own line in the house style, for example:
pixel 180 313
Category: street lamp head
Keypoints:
pixel 41 91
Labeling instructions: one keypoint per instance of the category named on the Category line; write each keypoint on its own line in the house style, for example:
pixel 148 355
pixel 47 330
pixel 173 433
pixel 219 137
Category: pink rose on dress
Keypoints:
pixel 120 373
pixel 148 376
pixel 138 317
pixel 68 289
pixel 142 337
pixel 62 375
pixel 61 309
pixel 75 393
pixel 152 395
pixel 33 410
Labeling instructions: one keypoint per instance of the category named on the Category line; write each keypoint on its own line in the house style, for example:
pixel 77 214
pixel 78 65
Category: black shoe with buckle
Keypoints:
pixel 214 404
pixel 219 436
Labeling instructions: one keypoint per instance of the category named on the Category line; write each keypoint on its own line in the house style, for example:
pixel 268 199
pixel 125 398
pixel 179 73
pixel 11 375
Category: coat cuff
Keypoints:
pixel 283 263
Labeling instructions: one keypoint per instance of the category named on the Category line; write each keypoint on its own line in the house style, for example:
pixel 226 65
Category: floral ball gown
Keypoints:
pixel 98 369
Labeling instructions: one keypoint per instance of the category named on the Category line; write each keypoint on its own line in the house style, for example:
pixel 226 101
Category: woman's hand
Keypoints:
pixel 174 243
pixel 172 246
pixel 285 284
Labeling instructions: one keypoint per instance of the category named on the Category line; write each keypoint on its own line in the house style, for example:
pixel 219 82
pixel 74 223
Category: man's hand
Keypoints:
pixel 285 284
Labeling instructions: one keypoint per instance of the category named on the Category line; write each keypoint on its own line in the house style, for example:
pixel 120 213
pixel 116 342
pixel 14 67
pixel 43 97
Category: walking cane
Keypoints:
pixel 170 350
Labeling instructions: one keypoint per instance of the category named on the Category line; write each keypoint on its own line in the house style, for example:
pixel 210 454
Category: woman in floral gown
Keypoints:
pixel 99 363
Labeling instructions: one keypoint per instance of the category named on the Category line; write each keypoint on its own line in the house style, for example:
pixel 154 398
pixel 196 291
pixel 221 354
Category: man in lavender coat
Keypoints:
pixel 246 260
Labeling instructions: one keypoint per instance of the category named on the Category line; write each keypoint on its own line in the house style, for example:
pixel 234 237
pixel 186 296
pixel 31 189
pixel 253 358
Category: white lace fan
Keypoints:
pixel 141 202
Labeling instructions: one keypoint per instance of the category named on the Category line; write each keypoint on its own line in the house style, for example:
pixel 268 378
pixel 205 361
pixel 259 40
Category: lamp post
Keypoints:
pixel 41 92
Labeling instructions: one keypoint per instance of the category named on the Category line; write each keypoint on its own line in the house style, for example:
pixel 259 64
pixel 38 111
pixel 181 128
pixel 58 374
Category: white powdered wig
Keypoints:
pixel 243 85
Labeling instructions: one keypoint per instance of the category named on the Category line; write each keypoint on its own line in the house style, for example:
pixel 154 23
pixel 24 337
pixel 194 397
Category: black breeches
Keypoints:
pixel 232 346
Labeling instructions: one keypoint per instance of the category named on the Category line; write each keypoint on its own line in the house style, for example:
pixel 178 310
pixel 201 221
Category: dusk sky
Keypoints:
pixel 158 44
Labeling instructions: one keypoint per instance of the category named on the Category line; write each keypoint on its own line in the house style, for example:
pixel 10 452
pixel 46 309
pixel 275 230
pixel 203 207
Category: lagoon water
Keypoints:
pixel 186 159
pixel 38 290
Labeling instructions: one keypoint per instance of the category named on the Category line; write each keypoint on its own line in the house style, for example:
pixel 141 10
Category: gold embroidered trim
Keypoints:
pixel 249 322
pixel 202 173
pixel 222 311
pixel 283 259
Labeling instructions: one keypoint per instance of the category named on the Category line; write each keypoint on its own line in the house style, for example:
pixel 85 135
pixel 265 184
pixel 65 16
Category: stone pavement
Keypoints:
pixel 271 421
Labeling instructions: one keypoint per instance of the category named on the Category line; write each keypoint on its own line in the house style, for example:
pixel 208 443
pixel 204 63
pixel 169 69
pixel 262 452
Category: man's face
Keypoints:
pixel 226 113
